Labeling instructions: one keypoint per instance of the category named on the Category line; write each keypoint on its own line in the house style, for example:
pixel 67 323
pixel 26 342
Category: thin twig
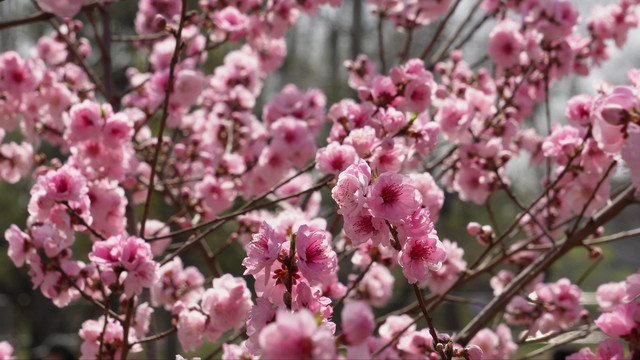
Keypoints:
pixel 222 220
pixel 381 43
pixel 144 37
pixel 83 64
pixel 37 17
pixel 439 30
pixel 240 211
pixel 441 52
pixel 165 115
pixel 425 313
pixel 543 262
pixel 156 336
pixel 569 339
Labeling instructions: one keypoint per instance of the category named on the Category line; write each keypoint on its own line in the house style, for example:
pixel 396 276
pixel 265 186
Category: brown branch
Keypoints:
pixel 240 211
pixel 222 220
pixel 569 339
pixel 381 43
pixel 37 17
pixel 165 115
pixel 441 52
pixel 156 336
pixel 439 30
pixel 144 37
pixel 425 313
pixel 72 212
pixel 531 271
pixel 125 331
pixel 83 63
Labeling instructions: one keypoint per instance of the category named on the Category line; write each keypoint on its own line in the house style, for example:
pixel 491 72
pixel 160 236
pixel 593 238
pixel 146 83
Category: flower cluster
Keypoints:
pixel 226 159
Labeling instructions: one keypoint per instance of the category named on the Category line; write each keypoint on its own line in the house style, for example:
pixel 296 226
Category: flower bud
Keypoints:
pixel 595 253
pixel 473 352
pixel 473 228
pixel 159 22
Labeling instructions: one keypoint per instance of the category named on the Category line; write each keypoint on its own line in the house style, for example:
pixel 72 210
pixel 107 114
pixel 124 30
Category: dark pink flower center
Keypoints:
pixel 390 193
pixel 62 185
pixel 420 251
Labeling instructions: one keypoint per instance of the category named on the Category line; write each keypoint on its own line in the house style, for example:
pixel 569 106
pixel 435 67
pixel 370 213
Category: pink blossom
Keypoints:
pixel 187 87
pixel 261 314
pixel 190 327
pixel 358 322
pixel 16 161
pixel 610 295
pixel 393 197
pixel 292 137
pixel 62 8
pixel 352 186
pixel 421 254
pixel 392 120
pixel 296 336
pixel 6 351
pixel 454 117
pixel 440 280
pixel 335 158
pixel 389 157
pixel 52 239
pixel 131 254
pixel 505 43
pixel 230 20
pixel 564 305
pixel 86 120
pixel 473 184
pixel 235 352
pixel 394 324
pixel 176 283
pixel 563 143
pixel 583 354
pixel 376 286
pixel 632 287
pixel 611 350
pixel 19 245
pixel 262 251
pixel 579 109
pixel 621 321
pixel 631 153
pixel 65 184
pixel 381 92
pixel 16 75
pixel 216 193
pixel 227 303
pixel 312 299
pixel 317 261
pixel 417 95
pixel 360 71
pixel 362 226
pixel 91 334
pixel 610 113
pixel 432 194
pixel 108 203
pixel 495 345
pixel 417 343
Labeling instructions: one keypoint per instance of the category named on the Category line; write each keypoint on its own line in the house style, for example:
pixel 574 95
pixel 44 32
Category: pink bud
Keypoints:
pixel 473 228
pixel 473 352
pixel 456 56
pixel 159 22
pixel 358 322
pixel 595 253
pixel 614 114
